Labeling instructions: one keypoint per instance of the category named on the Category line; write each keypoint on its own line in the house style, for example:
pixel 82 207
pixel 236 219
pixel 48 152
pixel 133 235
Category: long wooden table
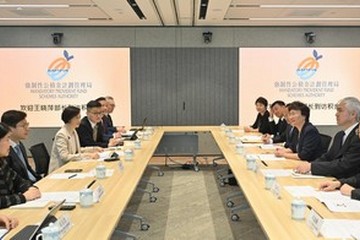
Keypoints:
pixel 100 220
pixel 273 214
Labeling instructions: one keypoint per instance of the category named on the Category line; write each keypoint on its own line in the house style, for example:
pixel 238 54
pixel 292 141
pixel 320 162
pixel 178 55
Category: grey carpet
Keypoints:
pixel 190 205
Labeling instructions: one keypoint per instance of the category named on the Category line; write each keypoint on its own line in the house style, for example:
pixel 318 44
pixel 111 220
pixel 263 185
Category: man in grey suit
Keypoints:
pixel 17 158
pixel 343 158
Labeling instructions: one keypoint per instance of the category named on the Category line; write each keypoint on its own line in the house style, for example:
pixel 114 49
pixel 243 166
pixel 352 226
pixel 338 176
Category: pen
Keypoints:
pixel 92 183
pixel 72 176
pixel 263 162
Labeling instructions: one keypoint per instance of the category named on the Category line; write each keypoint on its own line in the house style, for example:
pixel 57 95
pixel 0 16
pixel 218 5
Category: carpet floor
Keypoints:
pixel 190 205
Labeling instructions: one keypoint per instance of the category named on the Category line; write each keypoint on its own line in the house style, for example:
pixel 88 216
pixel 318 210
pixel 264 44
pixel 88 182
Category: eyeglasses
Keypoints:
pixel 23 125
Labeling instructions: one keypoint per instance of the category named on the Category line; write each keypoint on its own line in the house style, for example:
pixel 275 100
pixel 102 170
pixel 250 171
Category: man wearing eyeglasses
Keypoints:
pixel 90 131
pixel 17 158
pixel 342 160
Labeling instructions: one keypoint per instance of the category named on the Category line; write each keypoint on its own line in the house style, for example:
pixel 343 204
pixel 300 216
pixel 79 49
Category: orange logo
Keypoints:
pixel 309 66
pixel 60 67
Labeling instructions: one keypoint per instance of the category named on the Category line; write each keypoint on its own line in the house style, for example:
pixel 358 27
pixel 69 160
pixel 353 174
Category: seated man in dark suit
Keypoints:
pixel 91 130
pixel 348 186
pixel 17 158
pixel 281 131
pixel 278 109
pixel 343 158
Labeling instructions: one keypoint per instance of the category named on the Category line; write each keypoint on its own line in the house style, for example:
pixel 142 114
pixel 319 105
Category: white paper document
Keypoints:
pixel 277 172
pixel 70 196
pixel 3 231
pixel 250 138
pixel 301 191
pixel 340 228
pixel 336 202
pixel 266 157
pixel 269 157
pixel 38 203
pixel 268 146
pixel 304 175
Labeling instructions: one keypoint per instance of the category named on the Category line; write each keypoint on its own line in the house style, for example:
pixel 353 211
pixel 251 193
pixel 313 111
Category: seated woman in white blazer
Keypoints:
pixel 66 146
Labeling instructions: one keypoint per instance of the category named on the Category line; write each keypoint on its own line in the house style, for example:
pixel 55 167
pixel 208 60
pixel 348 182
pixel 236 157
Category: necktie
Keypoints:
pixel 95 131
pixel 342 140
pixel 22 158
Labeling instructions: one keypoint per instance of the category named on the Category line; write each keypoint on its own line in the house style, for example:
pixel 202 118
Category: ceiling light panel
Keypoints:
pixel 123 15
pixel 185 8
pixel 166 11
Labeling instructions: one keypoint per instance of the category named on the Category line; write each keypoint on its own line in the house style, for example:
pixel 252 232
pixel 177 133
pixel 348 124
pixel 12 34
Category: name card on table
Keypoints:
pixel 64 224
pixel 98 192
pixel 121 166
pixel 314 221
pixel 275 189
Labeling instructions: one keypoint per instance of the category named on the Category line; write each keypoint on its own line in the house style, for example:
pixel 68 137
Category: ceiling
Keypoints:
pixel 180 13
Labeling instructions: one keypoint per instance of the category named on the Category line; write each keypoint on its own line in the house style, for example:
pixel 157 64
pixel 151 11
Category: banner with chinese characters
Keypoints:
pixel 42 81
pixel 318 77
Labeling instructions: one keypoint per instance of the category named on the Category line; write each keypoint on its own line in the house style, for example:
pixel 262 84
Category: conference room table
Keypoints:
pixel 100 220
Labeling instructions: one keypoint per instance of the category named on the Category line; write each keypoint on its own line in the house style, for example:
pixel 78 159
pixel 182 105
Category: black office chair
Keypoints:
pixel 325 142
pixel 41 158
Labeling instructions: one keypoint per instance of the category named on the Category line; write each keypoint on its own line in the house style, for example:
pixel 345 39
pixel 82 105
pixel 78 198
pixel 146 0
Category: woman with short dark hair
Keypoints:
pixel 261 123
pixel 307 146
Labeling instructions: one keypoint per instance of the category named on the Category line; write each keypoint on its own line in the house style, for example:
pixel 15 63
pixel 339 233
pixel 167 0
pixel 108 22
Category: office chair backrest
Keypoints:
pixel 41 158
pixel 325 142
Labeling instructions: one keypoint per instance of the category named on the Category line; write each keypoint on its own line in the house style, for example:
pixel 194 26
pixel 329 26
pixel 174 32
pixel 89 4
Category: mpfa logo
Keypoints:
pixel 309 66
pixel 60 67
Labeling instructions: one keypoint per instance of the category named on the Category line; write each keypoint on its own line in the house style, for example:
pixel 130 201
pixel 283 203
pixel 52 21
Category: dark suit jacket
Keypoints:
pixel 308 145
pixel 262 123
pixel 278 128
pixel 85 132
pixel 17 165
pixel 109 129
pixel 340 161
pixel 354 182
